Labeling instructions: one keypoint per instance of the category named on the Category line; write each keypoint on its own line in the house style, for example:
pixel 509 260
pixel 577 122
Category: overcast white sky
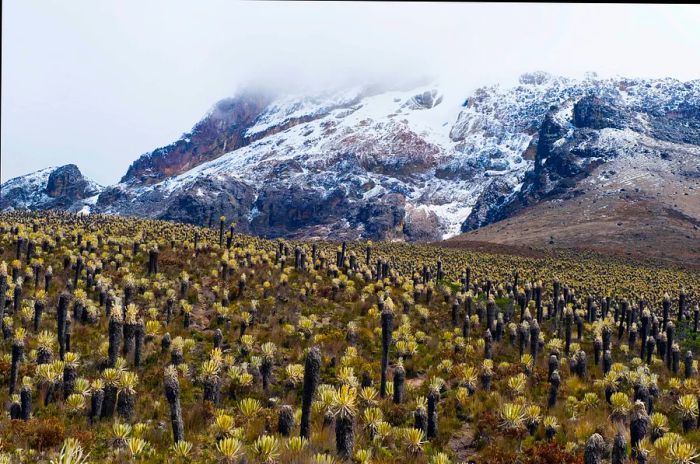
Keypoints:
pixel 98 83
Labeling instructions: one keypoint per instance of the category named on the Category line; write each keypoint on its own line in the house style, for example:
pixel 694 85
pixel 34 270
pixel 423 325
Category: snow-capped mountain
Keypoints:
pixel 418 164
pixel 588 125
pixel 62 187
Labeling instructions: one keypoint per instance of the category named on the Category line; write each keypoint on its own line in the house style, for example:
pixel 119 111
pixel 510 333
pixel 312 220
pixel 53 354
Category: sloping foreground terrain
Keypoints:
pixel 151 341
pixel 418 164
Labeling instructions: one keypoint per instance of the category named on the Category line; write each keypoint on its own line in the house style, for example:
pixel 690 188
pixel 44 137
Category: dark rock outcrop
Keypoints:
pixel 382 217
pixel 679 125
pixel 488 205
pixel 111 195
pixel 596 113
pixel 279 211
pixel 204 204
pixel 63 187
pixel 69 183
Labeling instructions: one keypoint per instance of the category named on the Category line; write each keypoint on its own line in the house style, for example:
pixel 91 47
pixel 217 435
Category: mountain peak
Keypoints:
pixel 61 187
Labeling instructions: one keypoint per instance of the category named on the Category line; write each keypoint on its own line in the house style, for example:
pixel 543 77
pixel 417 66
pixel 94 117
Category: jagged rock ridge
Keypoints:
pixel 658 119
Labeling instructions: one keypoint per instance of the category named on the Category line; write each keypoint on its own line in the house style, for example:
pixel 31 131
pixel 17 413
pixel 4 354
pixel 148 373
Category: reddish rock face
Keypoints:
pixel 221 131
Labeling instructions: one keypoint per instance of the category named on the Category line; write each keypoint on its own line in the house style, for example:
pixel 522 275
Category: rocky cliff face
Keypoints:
pixel 62 187
pixel 419 164
pixel 579 135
